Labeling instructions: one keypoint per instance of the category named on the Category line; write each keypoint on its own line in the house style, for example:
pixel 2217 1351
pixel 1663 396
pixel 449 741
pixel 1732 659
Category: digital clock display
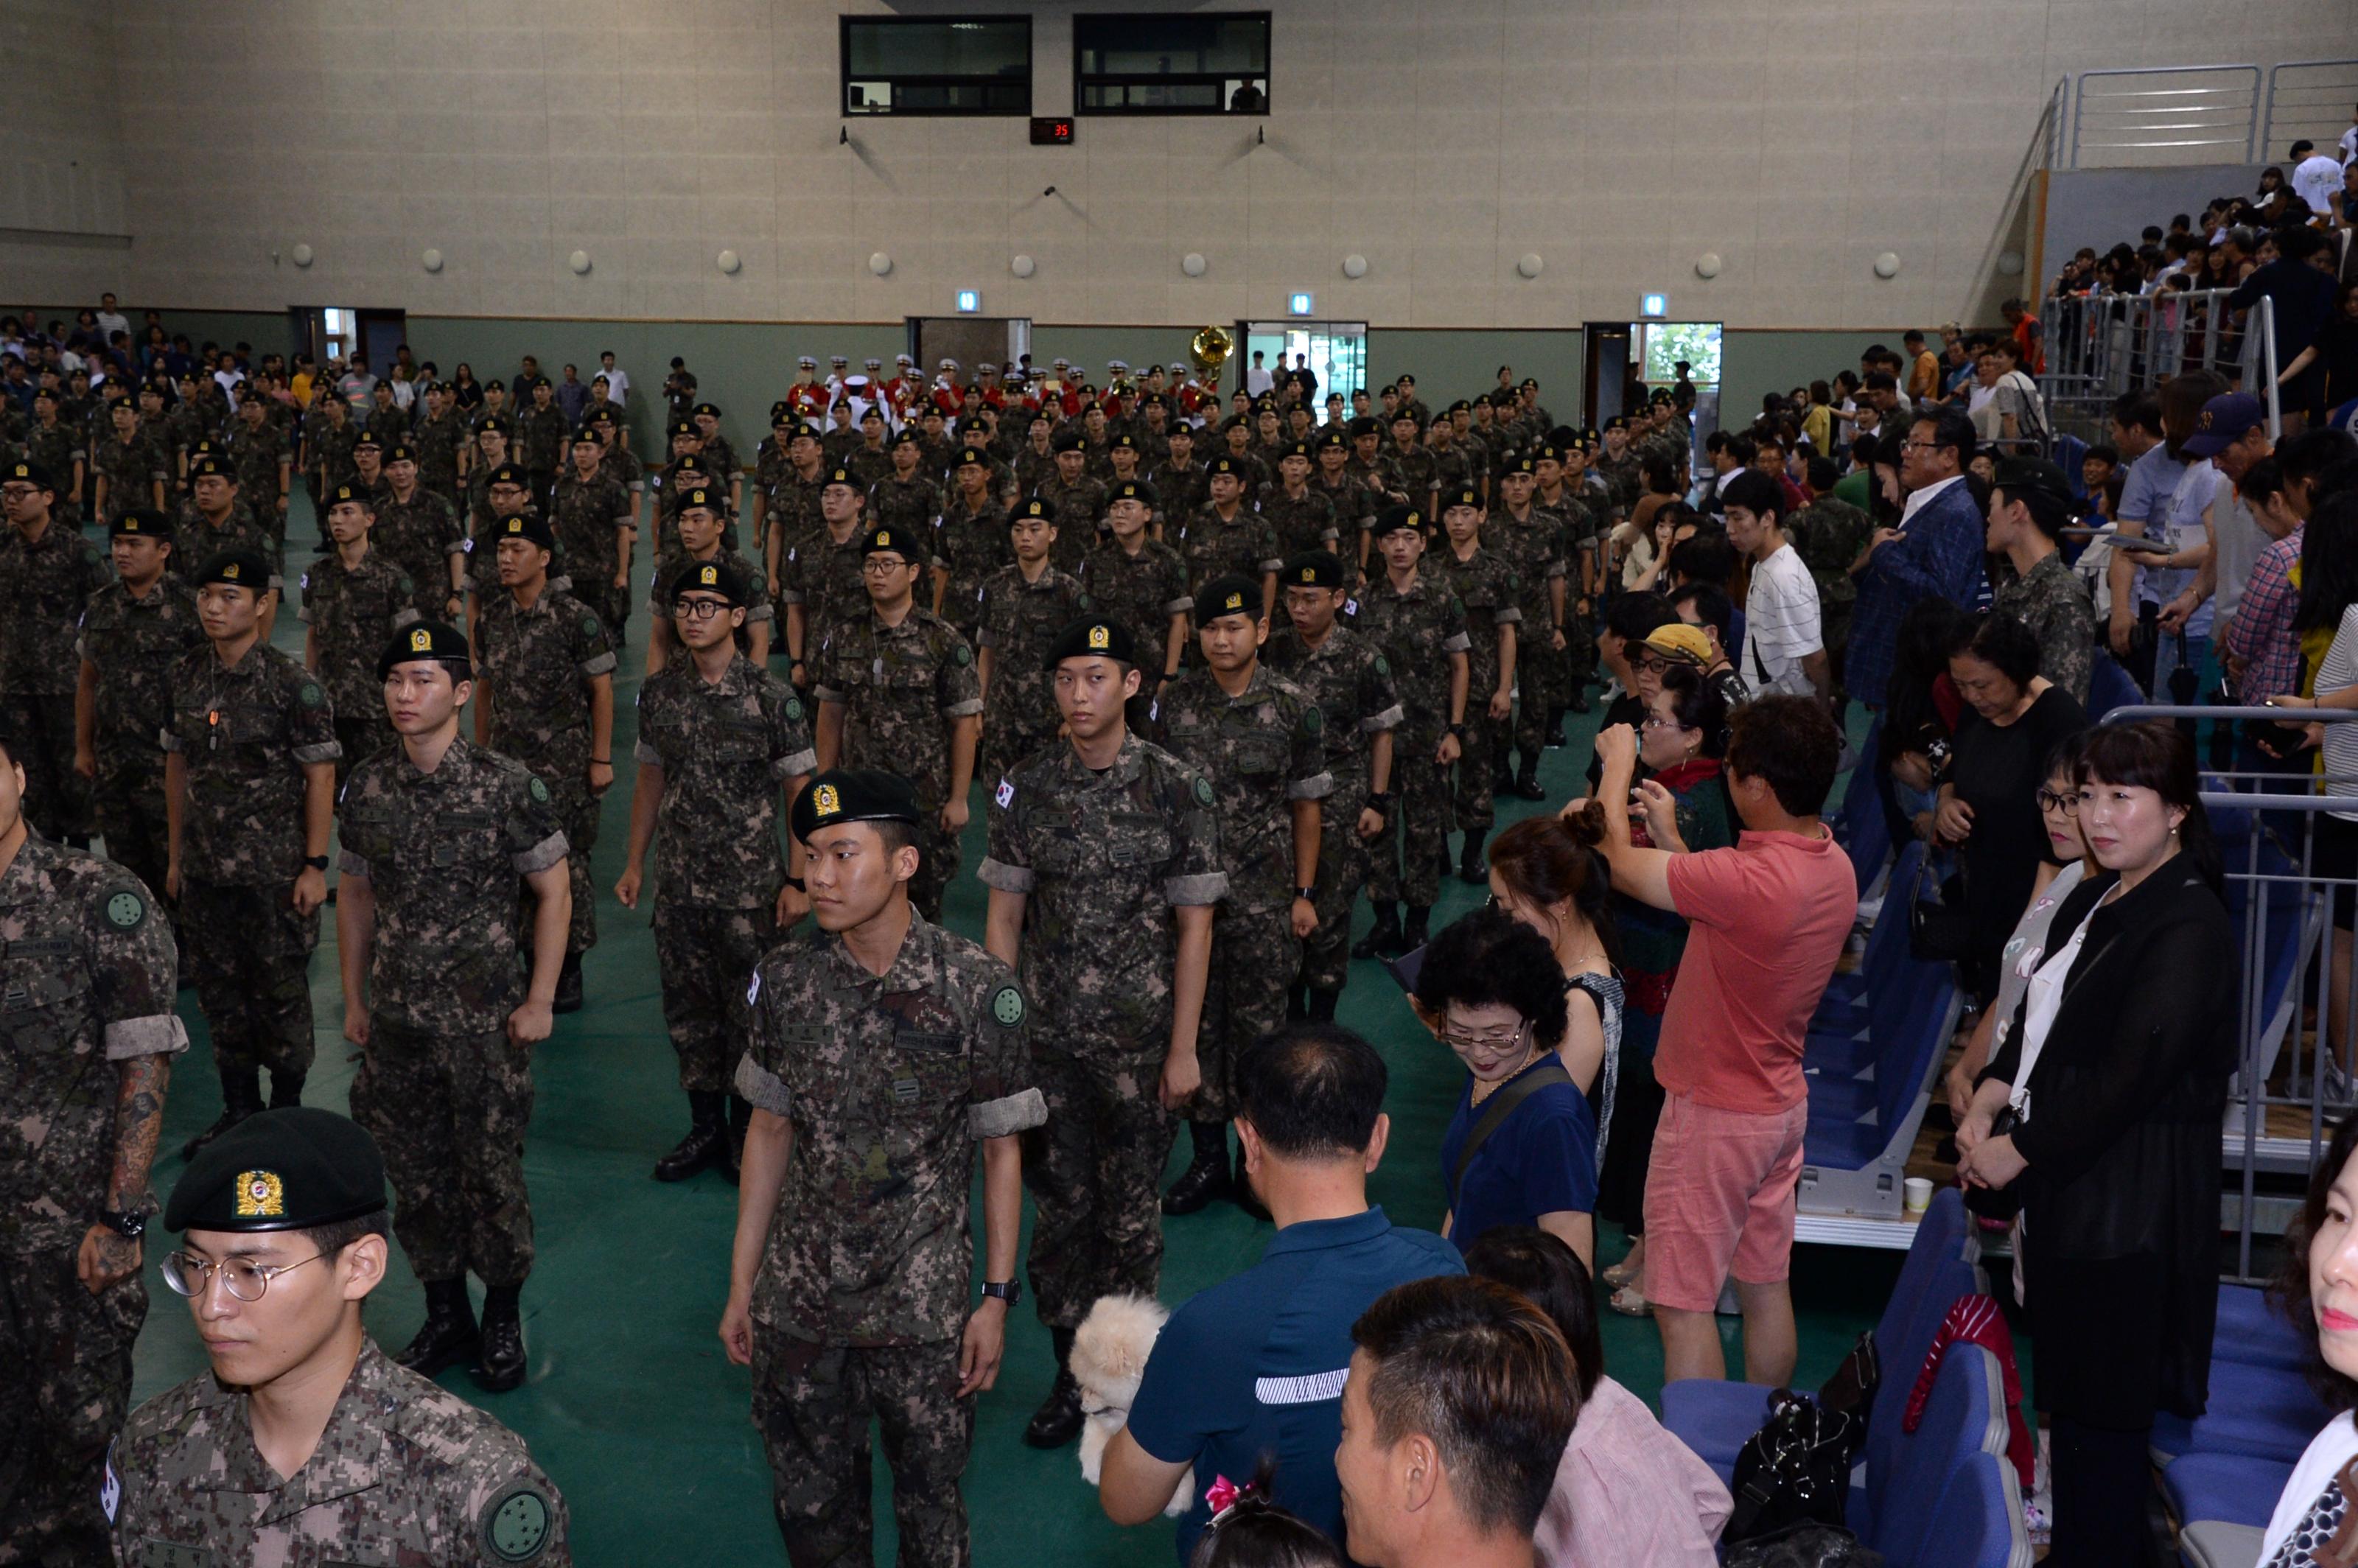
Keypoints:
pixel 1051 131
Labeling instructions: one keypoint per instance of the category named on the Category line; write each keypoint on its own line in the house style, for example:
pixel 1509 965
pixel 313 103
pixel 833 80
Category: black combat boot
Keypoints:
pixel 1058 1420
pixel 1471 868
pixel 1383 941
pixel 448 1335
pixel 1206 1176
pixel 1321 1004
pixel 500 1367
pixel 1526 781
pixel 1580 703
pixel 707 1143
pixel 1412 934
pixel 240 1098
pixel 569 986
pixel 286 1089
pixel 1552 735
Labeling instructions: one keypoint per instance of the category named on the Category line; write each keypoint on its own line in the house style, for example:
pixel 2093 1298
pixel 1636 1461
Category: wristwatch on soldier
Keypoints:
pixel 1458 730
pixel 317 862
pixel 1379 801
pixel 1008 1291
pixel 130 1224
pixel 1310 892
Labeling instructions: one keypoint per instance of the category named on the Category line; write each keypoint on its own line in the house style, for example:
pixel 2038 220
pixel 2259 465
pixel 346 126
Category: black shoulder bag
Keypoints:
pixel 1494 1113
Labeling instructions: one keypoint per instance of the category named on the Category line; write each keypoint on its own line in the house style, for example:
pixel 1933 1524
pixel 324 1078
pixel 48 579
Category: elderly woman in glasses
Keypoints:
pixel 1521 1146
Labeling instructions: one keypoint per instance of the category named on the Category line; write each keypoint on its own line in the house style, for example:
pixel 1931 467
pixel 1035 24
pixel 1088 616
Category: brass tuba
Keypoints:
pixel 1210 349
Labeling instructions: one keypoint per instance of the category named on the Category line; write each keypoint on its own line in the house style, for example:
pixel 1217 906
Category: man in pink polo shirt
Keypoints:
pixel 1768 919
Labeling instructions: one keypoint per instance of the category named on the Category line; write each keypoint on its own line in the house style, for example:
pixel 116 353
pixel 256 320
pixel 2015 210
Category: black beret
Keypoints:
pixel 289 1168
pixel 1313 568
pixel 1563 435
pixel 684 428
pixel 587 432
pixel 1550 453
pixel 508 473
pixel 239 569
pixel 529 526
pixel 904 436
pixel 844 477
pixel 427 641
pixel 712 408
pixel 210 466
pixel 1297 449
pixel 1033 506
pixel 1332 440
pixel 140 524
pixel 890 540
pixel 1460 495
pixel 359 494
pixel 710 577
pixel 1133 490
pixel 1619 421
pixel 1391 519
pixel 1460 407
pixel 400 452
pixel 1095 637
pixel 1233 594
pixel 853 794
pixel 699 495
pixel 506 426
pixel 1225 465
pixel 1067 440
pixel 973 455
pixel 781 411
pixel 871 412
pixel 2022 476
pixel 1520 463
pixel 1365 425
pixel 367 438
pixel 803 429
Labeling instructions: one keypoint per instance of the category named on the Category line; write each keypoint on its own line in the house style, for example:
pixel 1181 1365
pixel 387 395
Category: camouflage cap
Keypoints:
pixel 1096 637
pixel 289 1168
pixel 427 642
pixel 853 794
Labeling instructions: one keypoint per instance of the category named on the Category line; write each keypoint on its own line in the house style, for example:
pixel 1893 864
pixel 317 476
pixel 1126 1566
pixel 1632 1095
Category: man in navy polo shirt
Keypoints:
pixel 1254 1368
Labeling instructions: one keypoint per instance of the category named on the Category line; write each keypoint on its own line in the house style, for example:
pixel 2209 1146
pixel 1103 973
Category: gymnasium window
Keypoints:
pixel 937 65
pixel 1210 62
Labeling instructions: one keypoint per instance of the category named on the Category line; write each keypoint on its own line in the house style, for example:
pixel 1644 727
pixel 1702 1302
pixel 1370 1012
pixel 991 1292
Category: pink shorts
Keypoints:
pixel 1719 1200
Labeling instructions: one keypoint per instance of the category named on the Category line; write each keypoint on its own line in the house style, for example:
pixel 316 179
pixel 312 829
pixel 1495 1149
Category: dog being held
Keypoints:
pixel 1110 1351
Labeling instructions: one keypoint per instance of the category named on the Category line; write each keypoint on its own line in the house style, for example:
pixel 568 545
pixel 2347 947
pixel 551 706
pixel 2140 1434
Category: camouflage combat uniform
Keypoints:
pixel 441 1087
pixel 1532 548
pixel 56 451
pixel 541 437
pixel 44 585
pixel 2054 604
pixel 1417 630
pixel 1578 535
pixel 1353 684
pixel 417 538
pixel 246 733
pixel 1830 534
pixel 541 664
pixel 823 577
pixel 196 538
pixel 759 611
pixel 406 1471
pixel 912 504
pixel 1101 860
pixel 1078 505
pixel 254 456
pixel 902 690
pixel 436 443
pixel 721 749
pixel 352 613
pixel 590 518
pixel 1302 522
pixel 1143 592
pixel 1181 493
pixel 887 1081
pixel 1020 620
pixel 328 453
pixel 1262 751
pixel 86 979
pixel 133 645
pixel 793 509
pixel 1488 590
pixel 970 546
pixel 1209 545
pixel 131 469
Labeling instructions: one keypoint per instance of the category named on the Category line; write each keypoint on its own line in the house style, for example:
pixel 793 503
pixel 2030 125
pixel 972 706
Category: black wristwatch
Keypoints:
pixel 130 1224
pixel 317 862
pixel 1379 800
pixel 1310 892
pixel 797 884
pixel 1010 1291
pixel 1458 730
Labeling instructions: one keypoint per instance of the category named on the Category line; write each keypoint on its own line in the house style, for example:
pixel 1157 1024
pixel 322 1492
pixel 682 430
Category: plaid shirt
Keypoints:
pixel 1939 553
pixel 2260 633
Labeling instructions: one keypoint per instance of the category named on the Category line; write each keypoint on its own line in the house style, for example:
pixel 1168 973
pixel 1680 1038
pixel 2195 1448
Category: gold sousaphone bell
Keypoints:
pixel 1210 349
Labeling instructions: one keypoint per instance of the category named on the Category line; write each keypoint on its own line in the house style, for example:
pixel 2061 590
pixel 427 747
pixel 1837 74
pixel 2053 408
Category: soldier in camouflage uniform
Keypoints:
pixel 1412 617
pixel 1103 871
pixel 417 532
pixel 88 1032
pixel 127 469
pixel 697 542
pixel 133 630
pixel 1530 543
pixel 549 668
pixel 249 785
pixel 439 1481
pixel 872 460
pixel 437 834
pixel 2029 498
pixel 353 601
pixel 1831 535
pixel 1355 685
pixel 1561 493
pixel 1624 475
pixel 258 456
pixel 1079 500
pixel 883 1049
pixel 506 494
pixel 897 691
pixel 48 573
pixel 1302 515
pixel 328 441
pixel 620 461
pixel 969 535
pixel 595 522
pixel 437 440
pixel 1182 485
pixel 1024 606
pixel 1142 583
pixel 720 738
pixel 1258 738
pixel 723 464
pixel 1485 589
pixel 493 451
pixel 1228 537
pixel 771 467
pixel 52 446
pixel 543 437
pixel 1457 461
pixel 905 497
pixel 214 518
pixel 819 577
pixel 790 504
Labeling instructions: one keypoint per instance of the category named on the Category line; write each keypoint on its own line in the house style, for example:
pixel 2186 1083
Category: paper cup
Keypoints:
pixel 1919 1192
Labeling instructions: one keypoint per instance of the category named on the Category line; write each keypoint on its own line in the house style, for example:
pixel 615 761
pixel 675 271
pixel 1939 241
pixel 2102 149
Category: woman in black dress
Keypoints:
pixel 2101 1116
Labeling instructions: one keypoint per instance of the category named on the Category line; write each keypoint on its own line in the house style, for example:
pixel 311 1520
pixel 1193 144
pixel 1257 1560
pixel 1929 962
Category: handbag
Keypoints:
pixel 1853 1387
pixel 1795 1470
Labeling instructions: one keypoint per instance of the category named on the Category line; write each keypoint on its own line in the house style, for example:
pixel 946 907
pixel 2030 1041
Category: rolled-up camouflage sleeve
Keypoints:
pixel 1380 700
pixel 791 754
pixel 1196 873
pixel 1002 1098
pixel 762 1072
pixel 1307 774
pixel 593 654
pixel 135 970
pixel 1007 864
pixel 960 686
pixel 311 723
pixel 536 841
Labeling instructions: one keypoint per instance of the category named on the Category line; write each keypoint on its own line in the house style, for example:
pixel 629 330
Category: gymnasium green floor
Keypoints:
pixel 632 1407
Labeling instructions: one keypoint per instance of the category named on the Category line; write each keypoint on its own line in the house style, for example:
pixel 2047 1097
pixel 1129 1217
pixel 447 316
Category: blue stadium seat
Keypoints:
pixel 1868 1091
pixel 1964 1415
pixel 2263 1412
pixel 1859 824
pixel 2234 1489
pixel 2109 686
pixel 1843 1008
pixel 1977 1522
pixel 2253 1333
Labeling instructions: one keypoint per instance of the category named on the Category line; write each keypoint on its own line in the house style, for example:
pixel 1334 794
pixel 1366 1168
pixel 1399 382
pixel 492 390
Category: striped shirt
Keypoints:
pixel 1781 624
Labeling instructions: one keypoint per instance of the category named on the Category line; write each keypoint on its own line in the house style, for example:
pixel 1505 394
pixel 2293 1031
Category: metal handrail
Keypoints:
pixel 2344 93
pixel 2250 97
pixel 2100 345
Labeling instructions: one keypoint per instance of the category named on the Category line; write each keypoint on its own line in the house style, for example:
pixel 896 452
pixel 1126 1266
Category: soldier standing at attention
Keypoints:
pixel 1531 543
pixel 221 1467
pixel 1258 738
pixel 1180 481
pixel 905 498
pixel 1409 618
pixel 1024 606
pixel 418 532
pixel 970 541
pixel 89 1053
pixel 1355 685
pixel 1142 583
pixel 541 426
pixel 697 541
pixel 133 630
pixel 790 506
pixel 1227 536
pixel 436 835
pixel 725 466
pixel 897 692
pixel 505 491
pixel 48 573
pixel 55 448
pixel 215 518
pixel 720 738
pixel 821 578
pixel 1485 589
pixel 249 793
pixel 353 601
pixel 130 471
pixel 1562 491
pixel 1304 517
pixel 1079 500
pixel 550 670
pixel 1354 505
pixel 1104 867
pixel 595 522
pixel 258 455
pixel 438 441
pixel 883 1049
pixel 328 445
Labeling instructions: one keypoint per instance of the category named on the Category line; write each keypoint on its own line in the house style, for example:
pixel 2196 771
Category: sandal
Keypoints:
pixel 1630 1303
pixel 1618 1275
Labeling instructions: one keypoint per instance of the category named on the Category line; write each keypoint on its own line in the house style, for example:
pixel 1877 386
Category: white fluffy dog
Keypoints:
pixel 1110 1351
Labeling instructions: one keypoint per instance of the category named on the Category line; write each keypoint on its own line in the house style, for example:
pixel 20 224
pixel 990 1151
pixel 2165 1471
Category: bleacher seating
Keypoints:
pixel 1964 1415
pixel 1859 824
pixel 2225 1468
pixel 1977 1522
